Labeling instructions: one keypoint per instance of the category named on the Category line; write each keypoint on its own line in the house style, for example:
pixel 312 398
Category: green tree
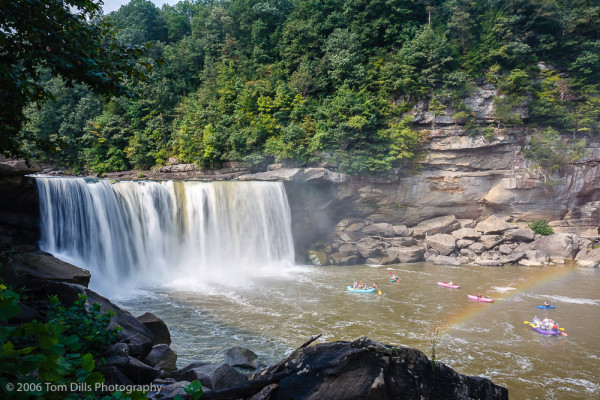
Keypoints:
pixel 66 38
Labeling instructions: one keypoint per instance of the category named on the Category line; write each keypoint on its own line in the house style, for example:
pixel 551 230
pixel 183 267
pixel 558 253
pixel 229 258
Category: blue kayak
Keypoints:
pixel 369 290
pixel 545 307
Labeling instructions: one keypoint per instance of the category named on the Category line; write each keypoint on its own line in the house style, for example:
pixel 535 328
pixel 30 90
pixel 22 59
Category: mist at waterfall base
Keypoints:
pixel 185 235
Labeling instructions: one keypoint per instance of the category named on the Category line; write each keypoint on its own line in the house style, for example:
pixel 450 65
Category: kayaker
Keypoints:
pixel 478 295
pixel 547 304
pixel 451 283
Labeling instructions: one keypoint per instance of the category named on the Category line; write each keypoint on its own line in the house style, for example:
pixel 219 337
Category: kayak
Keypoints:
pixel 369 290
pixel 484 299
pixel 544 331
pixel 394 280
pixel 545 307
pixel 446 284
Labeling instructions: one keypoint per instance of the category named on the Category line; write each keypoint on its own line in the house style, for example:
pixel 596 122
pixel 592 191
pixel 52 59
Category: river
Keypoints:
pixel 272 316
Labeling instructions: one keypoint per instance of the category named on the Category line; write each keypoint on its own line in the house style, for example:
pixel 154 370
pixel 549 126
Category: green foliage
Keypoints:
pixel 540 227
pixel 308 82
pixel 193 389
pixel 35 41
pixel 89 325
pixel 550 152
pixel 36 355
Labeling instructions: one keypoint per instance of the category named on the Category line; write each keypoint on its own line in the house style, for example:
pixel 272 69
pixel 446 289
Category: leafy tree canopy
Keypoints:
pixel 66 38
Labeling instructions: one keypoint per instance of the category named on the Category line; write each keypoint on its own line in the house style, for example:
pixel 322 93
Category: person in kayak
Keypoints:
pixel 547 304
pixel 451 283
pixel 478 295
pixel 394 277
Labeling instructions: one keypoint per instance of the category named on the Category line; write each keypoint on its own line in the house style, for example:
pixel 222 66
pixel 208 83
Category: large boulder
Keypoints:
pixel 212 376
pixel 588 258
pixel 380 229
pixel 369 247
pixel 135 370
pixel 445 260
pixel 241 357
pixel 366 369
pixel 163 358
pixel 466 233
pixel 409 254
pixel 437 225
pixel 519 235
pixel 563 245
pixel 157 326
pixel 443 243
pixel 494 224
pixel 41 265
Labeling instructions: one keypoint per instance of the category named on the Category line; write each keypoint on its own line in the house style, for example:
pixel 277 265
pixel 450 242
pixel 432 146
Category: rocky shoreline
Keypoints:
pixel 492 241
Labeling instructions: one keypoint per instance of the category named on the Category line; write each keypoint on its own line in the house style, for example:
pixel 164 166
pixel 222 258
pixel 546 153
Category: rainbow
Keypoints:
pixel 534 281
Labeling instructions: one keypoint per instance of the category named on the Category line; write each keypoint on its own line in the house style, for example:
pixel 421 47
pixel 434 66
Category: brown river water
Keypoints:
pixel 274 315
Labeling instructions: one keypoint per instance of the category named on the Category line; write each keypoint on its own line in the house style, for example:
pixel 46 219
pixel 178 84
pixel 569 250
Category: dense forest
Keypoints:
pixel 313 82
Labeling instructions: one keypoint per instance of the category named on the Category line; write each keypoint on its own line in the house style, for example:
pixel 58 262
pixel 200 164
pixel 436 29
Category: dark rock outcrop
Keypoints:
pixel 241 357
pixel 363 369
pixel 212 376
pixel 27 266
pixel 157 326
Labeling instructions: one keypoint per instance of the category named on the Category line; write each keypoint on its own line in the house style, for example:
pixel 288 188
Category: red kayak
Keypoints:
pixel 484 299
pixel 448 285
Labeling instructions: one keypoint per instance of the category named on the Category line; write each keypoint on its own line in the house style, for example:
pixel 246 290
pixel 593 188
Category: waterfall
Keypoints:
pixel 143 233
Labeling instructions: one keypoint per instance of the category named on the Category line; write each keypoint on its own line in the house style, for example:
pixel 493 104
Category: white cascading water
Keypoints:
pixel 146 233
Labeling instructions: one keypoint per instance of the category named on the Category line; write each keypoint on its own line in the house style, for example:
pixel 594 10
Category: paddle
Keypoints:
pixel 531 323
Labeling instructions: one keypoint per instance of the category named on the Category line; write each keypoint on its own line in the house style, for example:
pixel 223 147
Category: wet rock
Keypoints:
pixel 317 258
pixel 163 358
pixel 168 389
pixel 114 376
pixel 367 369
pixel 157 326
pixel 212 376
pixel 241 357
pixel 445 244
pixel 434 226
pixel 117 350
pixel 135 370
pixel 41 265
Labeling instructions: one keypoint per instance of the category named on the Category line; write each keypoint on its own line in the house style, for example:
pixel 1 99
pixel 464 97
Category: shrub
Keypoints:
pixel 36 357
pixel 541 227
